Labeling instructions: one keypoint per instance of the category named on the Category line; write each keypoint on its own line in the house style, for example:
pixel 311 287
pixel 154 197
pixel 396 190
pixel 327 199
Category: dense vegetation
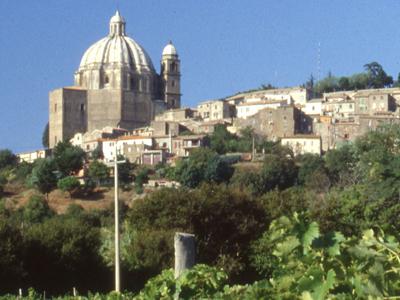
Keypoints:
pixel 373 77
pixel 285 226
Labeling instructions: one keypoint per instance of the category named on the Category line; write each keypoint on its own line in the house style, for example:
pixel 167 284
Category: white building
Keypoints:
pixel 109 145
pixel 301 144
pixel 339 109
pixel 313 107
pixel 30 157
pixel 293 95
pixel 248 109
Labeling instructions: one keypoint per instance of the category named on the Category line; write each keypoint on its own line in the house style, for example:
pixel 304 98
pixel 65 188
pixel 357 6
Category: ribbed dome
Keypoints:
pixel 116 50
pixel 169 49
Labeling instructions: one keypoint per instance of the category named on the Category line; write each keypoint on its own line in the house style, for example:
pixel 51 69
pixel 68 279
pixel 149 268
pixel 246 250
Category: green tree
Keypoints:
pixel 43 175
pixel 98 171
pixel 344 83
pixel 45 136
pixel 308 164
pixel 22 171
pixel 341 165
pixel 224 221
pixel 7 158
pixel 125 170
pixel 359 81
pixel 97 153
pixel 202 165
pixel 220 138
pixel 69 184
pixel 3 182
pixel 11 256
pixel 326 85
pixel 277 172
pixel 36 210
pixel 377 76
pixel 65 248
pixel 68 159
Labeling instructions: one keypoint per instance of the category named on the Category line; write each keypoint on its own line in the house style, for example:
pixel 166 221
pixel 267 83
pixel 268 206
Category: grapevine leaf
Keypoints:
pixel 286 247
pixel 309 235
pixel 323 289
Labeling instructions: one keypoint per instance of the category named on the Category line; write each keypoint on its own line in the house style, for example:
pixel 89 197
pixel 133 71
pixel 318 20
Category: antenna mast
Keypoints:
pixel 319 62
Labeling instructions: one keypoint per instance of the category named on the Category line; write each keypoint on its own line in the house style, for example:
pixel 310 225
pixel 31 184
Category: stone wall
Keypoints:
pixel 273 123
pixel 67 114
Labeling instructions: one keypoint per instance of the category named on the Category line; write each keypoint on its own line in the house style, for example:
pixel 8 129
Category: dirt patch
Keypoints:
pixel 17 196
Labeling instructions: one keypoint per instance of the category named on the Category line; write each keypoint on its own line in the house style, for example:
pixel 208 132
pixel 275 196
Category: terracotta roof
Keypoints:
pixel 124 138
pixel 74 88
pixel 189 137
pixel 301 136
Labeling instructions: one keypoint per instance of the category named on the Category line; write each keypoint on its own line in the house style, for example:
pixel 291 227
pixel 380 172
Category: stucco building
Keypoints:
pixel 302 143
pixel 213 110
pixel 274 123
pixel 115 85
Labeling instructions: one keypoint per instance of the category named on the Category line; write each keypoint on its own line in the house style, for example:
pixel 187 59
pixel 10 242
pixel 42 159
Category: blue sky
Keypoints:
pixel 225 46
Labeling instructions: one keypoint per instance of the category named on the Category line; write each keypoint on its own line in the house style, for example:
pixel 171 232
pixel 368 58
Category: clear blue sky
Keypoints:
pixel 225 46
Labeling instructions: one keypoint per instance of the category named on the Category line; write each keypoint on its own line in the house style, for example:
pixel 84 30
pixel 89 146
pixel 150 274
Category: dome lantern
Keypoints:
pixel 117 25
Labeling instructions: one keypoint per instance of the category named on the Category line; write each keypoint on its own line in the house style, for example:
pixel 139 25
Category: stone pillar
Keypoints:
pixel 184 252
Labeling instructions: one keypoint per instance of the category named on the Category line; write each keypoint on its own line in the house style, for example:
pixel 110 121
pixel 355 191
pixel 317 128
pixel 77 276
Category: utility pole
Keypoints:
pixel 116 218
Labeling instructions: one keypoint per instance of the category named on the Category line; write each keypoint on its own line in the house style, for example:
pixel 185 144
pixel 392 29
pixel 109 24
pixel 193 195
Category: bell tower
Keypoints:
pixel 171 77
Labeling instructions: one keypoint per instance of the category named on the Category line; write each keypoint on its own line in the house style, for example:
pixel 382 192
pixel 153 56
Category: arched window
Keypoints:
pixel 172 67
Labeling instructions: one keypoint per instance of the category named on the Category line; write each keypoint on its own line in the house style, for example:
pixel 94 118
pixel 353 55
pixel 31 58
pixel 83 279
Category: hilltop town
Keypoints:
pixel 289 115
pixel 120 105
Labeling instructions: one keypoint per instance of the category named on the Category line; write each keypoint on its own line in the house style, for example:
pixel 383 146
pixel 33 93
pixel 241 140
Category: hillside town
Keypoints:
pixel 119 105
pixel 289 115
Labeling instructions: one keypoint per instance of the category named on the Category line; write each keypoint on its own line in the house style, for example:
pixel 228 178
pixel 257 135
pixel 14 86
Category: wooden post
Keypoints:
pixel 184 252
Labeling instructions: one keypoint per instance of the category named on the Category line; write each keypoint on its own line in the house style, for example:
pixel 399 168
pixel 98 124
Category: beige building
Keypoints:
pixel 115 85
pixel 272 123
pixel 184 145
pixel 302 143
pixel 176 115
pixel 339 109
pixel 214 110
pixel 337 132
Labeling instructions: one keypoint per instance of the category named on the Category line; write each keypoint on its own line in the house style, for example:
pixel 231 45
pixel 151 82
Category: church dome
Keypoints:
pixel 116 51
pixel 169 49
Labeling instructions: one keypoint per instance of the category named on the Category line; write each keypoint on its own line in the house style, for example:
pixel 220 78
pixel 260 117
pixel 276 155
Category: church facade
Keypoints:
pixel 115 85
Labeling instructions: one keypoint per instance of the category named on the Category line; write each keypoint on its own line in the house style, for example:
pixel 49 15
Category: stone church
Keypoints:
pixel 115 85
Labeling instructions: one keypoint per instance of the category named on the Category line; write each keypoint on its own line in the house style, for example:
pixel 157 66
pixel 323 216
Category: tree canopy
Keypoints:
pixel 68 159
